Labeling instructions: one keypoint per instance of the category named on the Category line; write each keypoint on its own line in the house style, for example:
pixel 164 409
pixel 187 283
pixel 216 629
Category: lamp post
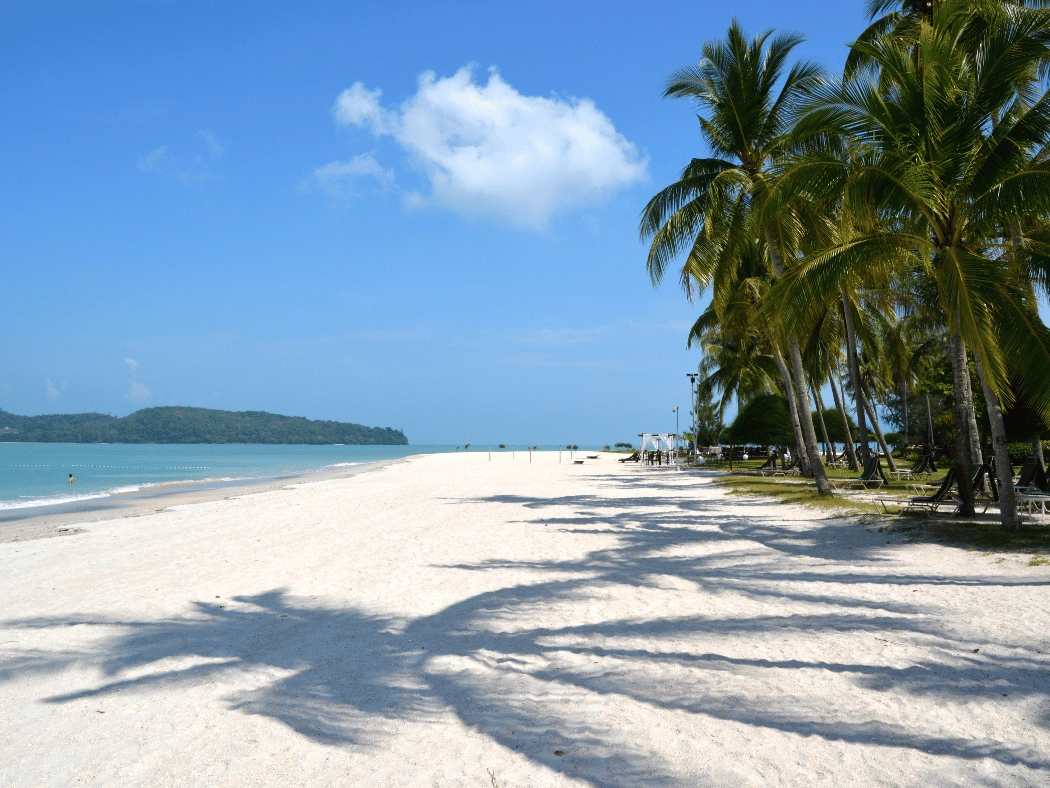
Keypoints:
pixel 695 395
pixel 675 409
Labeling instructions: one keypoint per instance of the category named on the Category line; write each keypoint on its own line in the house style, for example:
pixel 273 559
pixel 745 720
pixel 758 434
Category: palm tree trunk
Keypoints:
pixel 932 448
pixel 789 395
pixel 904 405
pixel 806 421
pixel 823 426
pixel 851 455
pixel 805 418
pixel 963 409
pixel 1008 515
pixel 878 432
pixel 976 455
pixel 1037 449
pixel 854 374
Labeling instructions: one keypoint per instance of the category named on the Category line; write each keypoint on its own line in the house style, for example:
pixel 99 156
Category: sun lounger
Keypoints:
pixel 1032 477
pixel 1028 500
pixel 929 505
pixel 873 476
pixel 920 468
pixel 789 470
pixel 636 457
pixel 592 456
pixel 765 469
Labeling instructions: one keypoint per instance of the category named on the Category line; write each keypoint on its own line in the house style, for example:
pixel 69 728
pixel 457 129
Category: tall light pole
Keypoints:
pixel 695 395
pixel 675 409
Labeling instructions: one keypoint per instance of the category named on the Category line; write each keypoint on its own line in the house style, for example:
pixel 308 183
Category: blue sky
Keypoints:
pixel 270 205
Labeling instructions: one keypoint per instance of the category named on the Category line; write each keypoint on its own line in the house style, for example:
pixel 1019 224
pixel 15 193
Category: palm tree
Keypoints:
pixel 711 212
pixel 947 138
pixel 741 357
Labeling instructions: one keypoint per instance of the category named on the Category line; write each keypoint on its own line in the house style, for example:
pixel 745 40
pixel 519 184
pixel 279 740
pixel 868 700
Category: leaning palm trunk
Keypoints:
pixel 1037 449
pixel 789 395
pixel 854 374
pixel 806 422
pixel 828 451
pixel 851 455
pixel 904 406
pixel 878 433
pixel 963 409
pixel 931 445
pixel 1003 472
pixel 799 375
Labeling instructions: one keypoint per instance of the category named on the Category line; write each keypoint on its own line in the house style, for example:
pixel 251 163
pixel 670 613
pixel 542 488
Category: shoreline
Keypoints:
pixel 61 519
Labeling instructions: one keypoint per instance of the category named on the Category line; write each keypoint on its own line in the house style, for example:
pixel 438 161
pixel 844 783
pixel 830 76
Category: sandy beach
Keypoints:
pixel 453 621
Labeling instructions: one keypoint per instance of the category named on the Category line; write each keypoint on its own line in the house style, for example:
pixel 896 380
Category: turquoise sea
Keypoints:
pixel 37 474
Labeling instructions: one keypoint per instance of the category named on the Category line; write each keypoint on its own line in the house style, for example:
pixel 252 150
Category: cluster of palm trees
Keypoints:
pixel 881 221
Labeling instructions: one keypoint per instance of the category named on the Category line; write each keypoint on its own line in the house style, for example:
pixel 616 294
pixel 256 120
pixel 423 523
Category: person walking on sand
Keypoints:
pixel 72 479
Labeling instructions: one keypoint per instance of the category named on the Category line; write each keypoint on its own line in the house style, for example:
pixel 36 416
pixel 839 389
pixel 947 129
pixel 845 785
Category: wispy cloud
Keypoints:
pixel 153 160
pixel 188 167
pixel 137 392
pixel 338 178
pixel 489 150
pixel 211 141
pixel 53 393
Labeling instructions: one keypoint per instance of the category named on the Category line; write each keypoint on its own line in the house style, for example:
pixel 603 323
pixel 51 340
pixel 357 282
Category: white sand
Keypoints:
pixel 454 621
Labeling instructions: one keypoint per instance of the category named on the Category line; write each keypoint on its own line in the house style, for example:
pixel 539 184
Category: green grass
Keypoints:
pixel 792 490
pixel 985 536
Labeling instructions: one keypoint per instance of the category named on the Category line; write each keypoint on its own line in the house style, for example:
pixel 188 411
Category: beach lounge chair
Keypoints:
pixel 789 470
pixel 873 476
pixel 636 457
pixel 766 468
pixel 984 486
pixel 592 456
pixel 927 504
pixel 983 483
pixel 1027 476
pixel 921 467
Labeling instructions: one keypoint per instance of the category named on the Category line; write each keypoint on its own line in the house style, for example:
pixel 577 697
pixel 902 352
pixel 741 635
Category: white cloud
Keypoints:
pixel 211 141
pixel 52 392
pixel 359 106
pixel 132 365
pixel 488 149
pixel 190 169
pixel 151 162
pixel 334 176
pixel 137 392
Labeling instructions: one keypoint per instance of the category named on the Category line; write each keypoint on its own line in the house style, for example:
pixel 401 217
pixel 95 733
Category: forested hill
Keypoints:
pixel 190 425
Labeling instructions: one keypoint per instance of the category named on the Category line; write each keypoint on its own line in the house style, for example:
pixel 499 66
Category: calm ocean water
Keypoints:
pixel 37 474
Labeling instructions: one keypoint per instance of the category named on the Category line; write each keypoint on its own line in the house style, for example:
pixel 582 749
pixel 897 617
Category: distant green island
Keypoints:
pixel 190 425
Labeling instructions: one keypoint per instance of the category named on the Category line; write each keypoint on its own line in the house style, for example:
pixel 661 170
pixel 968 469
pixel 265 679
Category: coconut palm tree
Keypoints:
pixel 947 140
pixel 710 213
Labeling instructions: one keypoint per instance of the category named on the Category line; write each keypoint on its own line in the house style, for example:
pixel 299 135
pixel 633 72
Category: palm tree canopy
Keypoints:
pixel 944 158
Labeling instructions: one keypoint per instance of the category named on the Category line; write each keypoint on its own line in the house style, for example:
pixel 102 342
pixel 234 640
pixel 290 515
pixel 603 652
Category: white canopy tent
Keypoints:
pixel 660 441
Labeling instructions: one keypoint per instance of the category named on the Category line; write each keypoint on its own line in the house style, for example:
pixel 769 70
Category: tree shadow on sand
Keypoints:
pixel 336 674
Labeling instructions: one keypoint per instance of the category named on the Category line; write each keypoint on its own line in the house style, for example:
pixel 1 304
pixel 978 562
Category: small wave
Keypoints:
pixel 54 500
pixel 344 464
pixel 58 500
